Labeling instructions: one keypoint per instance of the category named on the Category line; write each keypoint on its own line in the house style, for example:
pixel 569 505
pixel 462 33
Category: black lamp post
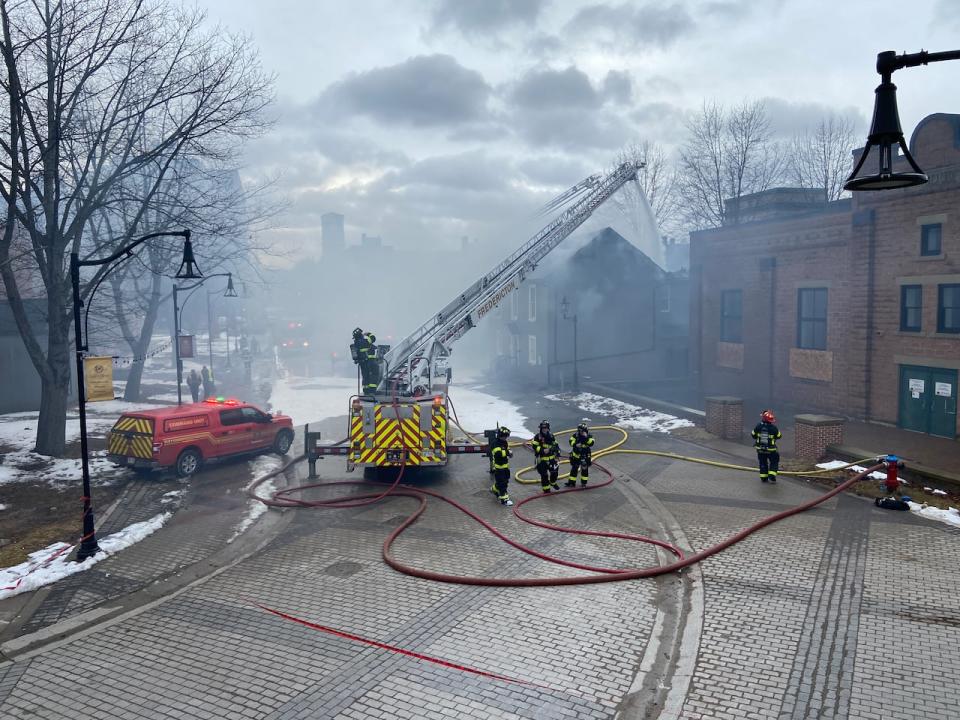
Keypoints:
pixel 177 312
pixel 564 310
pixel 885 132
pixel 188 270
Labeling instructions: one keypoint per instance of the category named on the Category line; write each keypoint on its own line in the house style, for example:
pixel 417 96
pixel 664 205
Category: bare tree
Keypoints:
pixel 210 200
pixel 97 92
pixel 728 154
pixel 821 158
pixel 656 179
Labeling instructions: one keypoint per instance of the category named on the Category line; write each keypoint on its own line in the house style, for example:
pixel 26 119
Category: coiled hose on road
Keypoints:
pixel 284 498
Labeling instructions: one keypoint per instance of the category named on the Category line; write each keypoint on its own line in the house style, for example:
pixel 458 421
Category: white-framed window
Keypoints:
pixel 514 304
pixel 532 303
pixel 515 349
pixel 532 349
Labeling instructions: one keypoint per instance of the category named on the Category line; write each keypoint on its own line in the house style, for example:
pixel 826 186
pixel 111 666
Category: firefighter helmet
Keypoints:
pixel 503 432
pixel 768 416
pixel 544 424
pixel 582 427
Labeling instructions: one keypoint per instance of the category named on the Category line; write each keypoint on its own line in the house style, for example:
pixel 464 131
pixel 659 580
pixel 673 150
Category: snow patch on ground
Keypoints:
pixel 837 464
pixel 951 516
pixel 632 417
pixel 51 564
pixel 259 467
pixel 479 411
pixel 312 399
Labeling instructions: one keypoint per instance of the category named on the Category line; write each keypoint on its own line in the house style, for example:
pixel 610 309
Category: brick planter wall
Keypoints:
pixel 814 433
pixel 725 417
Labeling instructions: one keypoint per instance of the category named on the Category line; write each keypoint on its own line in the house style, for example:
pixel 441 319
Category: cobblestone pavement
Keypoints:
pixel 834 613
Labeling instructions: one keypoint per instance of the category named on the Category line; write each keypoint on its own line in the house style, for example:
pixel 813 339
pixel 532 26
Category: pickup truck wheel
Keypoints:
pixel 282 442
pixel 188 462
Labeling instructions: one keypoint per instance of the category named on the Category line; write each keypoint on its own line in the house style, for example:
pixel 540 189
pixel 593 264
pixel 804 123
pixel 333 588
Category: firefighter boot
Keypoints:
pixel 505 500
pixel 570 483
pixel 583 483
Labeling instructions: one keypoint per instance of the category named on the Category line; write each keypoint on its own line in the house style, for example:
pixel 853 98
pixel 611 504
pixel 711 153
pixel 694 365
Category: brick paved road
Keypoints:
pixel 816 617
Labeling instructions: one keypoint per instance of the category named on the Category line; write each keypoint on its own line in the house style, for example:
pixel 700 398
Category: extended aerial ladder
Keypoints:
pixel 406 419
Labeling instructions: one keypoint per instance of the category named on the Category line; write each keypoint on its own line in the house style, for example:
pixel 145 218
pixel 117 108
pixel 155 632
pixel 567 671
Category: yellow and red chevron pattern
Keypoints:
pixel 131 437
pixel 393 436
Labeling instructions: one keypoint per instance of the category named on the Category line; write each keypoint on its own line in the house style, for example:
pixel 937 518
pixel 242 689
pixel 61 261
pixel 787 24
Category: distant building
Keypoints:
pixel 850 307
pixel 632 320
pixel 676 255
pixel 333 237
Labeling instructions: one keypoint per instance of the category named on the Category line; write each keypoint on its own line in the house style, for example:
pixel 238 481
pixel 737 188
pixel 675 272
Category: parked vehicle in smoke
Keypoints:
pixel 184 437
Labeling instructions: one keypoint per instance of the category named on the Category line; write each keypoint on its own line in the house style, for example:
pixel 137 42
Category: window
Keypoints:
pixel 930 239
pixel 532 303
pixel 812 318
pixel 233 416
pixel 514 303
pixel 253 415
pixel 911 307
pixel 532 349
pixel 731 316
pixel 948 308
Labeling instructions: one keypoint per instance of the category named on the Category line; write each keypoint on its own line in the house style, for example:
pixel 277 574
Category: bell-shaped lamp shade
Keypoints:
pixel 230 292
pixel 881 149
pixel 188 267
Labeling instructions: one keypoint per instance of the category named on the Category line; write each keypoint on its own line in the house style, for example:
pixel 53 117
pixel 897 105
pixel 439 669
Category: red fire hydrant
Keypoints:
pixel 892 483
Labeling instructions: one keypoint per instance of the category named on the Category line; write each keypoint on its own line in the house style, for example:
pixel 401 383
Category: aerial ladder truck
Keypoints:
pixel 405 421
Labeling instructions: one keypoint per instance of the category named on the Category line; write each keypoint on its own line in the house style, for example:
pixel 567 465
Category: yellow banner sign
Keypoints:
pixel 98 378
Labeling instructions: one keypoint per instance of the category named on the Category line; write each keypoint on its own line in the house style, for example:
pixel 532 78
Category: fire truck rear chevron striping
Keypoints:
pixel 405 420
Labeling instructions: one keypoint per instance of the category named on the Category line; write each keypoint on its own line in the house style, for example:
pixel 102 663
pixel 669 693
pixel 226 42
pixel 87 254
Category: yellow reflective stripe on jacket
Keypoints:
pixel 501 460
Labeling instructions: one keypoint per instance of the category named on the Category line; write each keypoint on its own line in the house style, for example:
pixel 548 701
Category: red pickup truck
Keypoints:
pixel 186 436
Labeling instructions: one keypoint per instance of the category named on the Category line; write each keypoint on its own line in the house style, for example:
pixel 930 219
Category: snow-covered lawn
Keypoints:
pixel 632 417
pixel 51 564
pixel 18 433
pixel 479 411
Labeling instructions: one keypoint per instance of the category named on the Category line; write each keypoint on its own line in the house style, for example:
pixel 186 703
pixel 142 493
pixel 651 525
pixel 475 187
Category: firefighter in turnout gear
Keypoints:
pixel 364 353
pixel 765 436
pixel 500 461
pixel 547 451
pixel 581 448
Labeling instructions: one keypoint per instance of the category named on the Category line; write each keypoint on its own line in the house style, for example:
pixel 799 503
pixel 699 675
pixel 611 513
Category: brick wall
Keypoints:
pixel 813 433
pixel 725 417
pixel 862 250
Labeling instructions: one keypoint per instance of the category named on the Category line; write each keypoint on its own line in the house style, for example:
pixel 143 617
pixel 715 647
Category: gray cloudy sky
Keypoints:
pixel 426 120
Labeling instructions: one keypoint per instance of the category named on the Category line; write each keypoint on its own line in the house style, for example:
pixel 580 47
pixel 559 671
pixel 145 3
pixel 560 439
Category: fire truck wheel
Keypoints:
pixel 189 462
pixel 282 442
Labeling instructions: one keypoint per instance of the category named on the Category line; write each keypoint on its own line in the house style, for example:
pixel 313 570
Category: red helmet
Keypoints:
pixel 768 416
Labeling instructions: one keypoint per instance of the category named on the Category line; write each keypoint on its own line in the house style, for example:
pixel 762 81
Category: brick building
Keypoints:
pixel 850 307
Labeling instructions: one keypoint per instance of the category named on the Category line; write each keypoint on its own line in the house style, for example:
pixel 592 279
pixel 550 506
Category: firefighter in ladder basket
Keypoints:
pixel 363 350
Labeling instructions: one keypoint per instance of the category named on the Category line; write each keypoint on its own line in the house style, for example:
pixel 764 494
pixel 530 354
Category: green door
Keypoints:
pixel 928 400
pixel 914 397
pixel 943 403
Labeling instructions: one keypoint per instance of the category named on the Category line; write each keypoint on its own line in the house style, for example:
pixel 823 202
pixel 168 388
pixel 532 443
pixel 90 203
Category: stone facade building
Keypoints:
pixel 850 307
pixel 632 320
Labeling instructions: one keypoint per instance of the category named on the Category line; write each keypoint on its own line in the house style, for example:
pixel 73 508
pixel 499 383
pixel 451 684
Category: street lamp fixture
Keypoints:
pixel 177 321
pixel 565 312
pixel 188 270
pixel 885 131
